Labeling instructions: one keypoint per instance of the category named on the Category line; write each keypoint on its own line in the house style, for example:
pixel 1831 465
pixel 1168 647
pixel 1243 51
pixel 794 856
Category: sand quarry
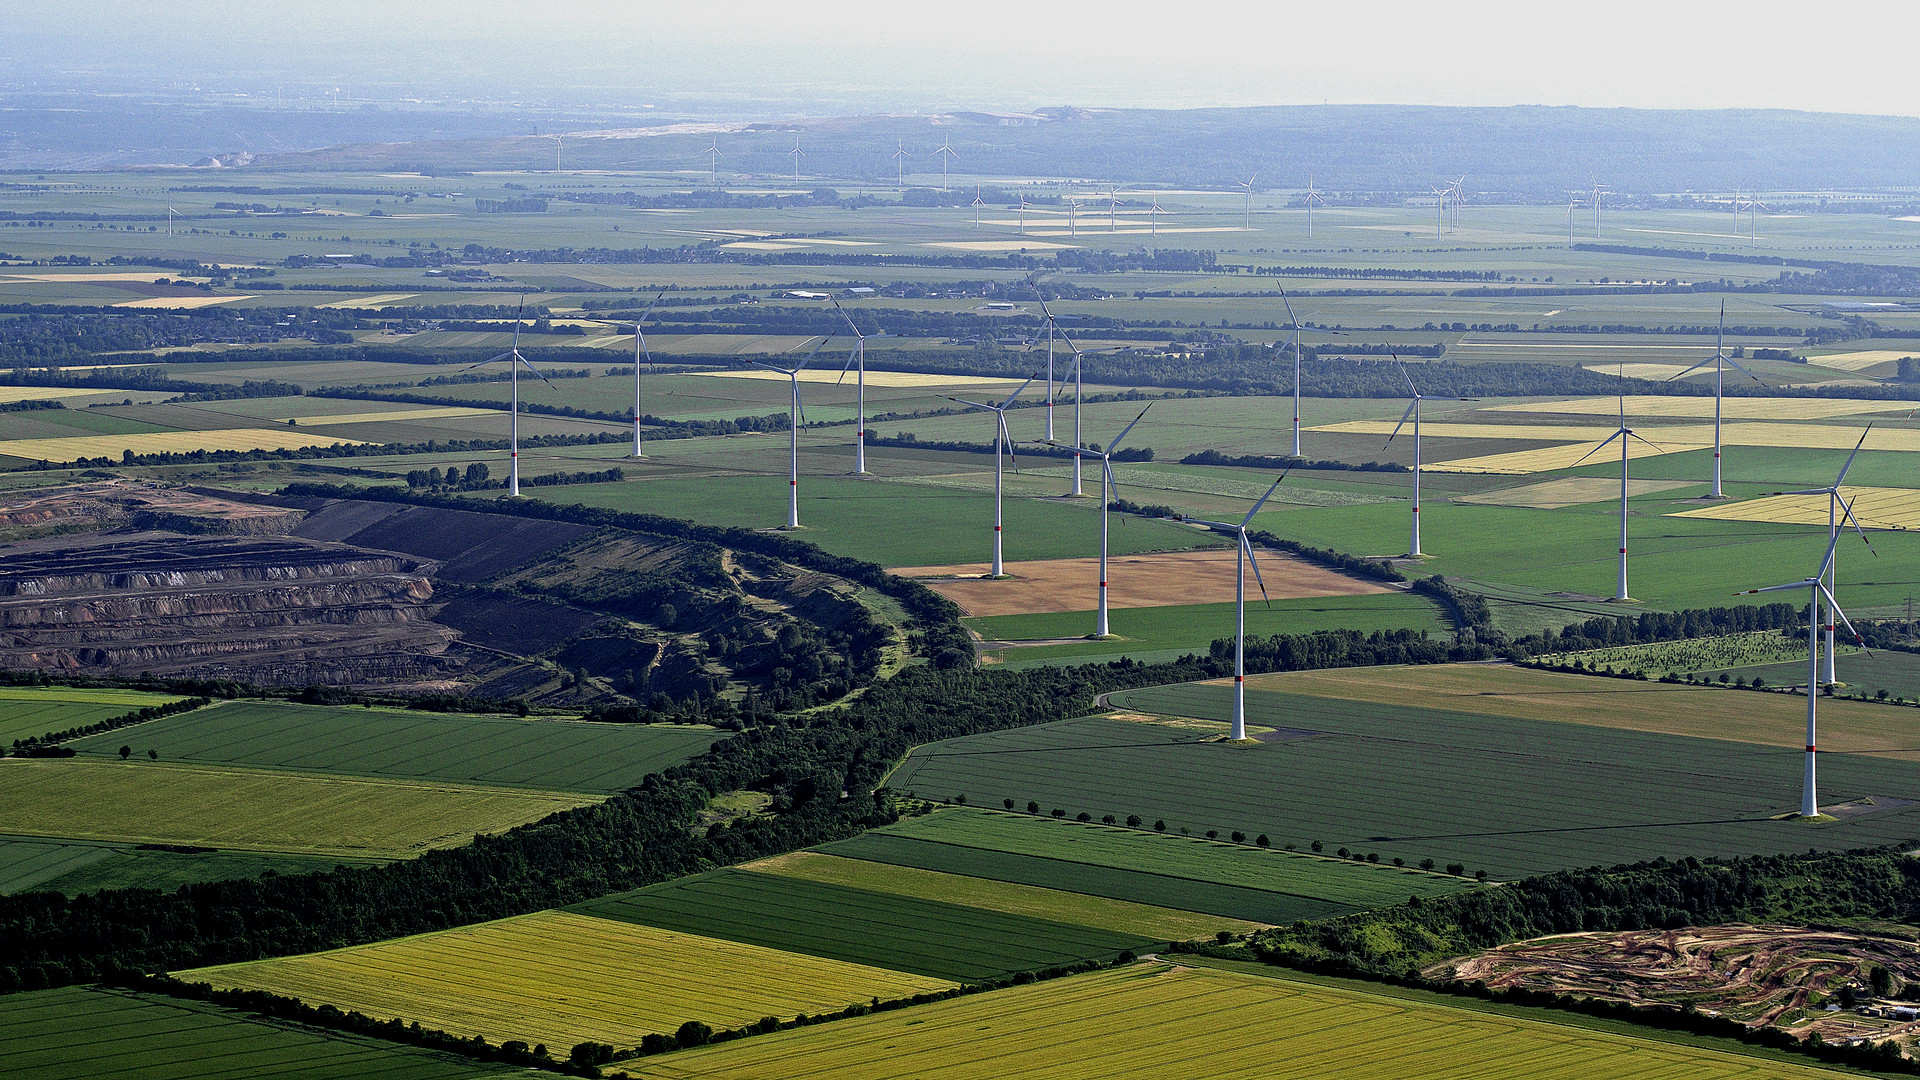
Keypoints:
pixel 1155 580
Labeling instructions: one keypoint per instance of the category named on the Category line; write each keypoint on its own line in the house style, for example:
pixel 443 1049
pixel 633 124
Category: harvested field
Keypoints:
pixel 1551 458
pixel 180 301
pixel 563 978
pixel 1731 408
pixel 1158 580
pixel 1155 1019
pixel 10 394
pixel 1861 360
pixel 161 442
pixel 1640 370
pixel 160 802
pixel 1145 920
pixel 1760 975
pixel 1570 491
pixel 94 1032
pixel 1873 508
pixel 1524 693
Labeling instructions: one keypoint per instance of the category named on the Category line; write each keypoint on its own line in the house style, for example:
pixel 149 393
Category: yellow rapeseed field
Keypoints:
pixel 558 978
pixel 1153 1019
pixel 158 442
pixel 1875 508
pixel 256 809
pixel 1733 408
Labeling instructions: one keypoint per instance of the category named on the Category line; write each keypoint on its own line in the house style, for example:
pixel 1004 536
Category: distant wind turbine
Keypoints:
pixel 514 361
pixel 1243 558
pixel 1313 199
pixel 1001 440
pixel 1113 211
pixel 1413 410
pixel 978 202
pixel 946 153
pixel 900 157
pixel 1623 433
pixel 1248 184
pixel 1835 520
pixel 794 415
pixel 796 153
pixel 1719 362
pixel 640 351
pixel 1108 492
pixel 1598 189
pixel 713 162
pixel 1294 325
pixel 857 353
pixel 1153 216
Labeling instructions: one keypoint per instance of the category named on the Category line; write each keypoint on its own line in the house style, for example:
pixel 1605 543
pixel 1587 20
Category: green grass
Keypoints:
pixel 925 937
pixel 1898 673
pixel 1513 797
pixel 888 523
pixel 1748 471
pixel 35 864
pixel 28 712
pixel 1189 872
pixel 81 1031
pixel 549 755
pixel 1154 633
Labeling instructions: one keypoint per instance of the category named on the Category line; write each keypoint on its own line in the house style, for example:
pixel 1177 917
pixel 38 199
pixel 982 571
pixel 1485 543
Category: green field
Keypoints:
pixel 1897 673
pixel 38 864
pixel 924 937
pixel 1511 796
pixel 29 712
pixel 85 1032
pixel 889 523
pixel 549 755
pixel 1151 634
pixel 1153 1019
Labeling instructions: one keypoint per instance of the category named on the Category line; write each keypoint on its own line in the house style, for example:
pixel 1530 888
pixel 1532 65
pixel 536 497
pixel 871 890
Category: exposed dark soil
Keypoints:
pixel 470 547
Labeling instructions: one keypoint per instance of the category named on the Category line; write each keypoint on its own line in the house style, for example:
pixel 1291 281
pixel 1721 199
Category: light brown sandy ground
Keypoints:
pixel 1162 580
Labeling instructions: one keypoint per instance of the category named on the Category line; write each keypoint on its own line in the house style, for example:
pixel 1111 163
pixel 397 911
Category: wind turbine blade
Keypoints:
pixel 771 367
pixel 649 309
pixel 849 318
pixel 1016 393
pixel 1008 439
pixel 848 366
pixel 1778 588
pixel 1599 448
pixel 1247 547
pixel 1291 321
pixel 1117 439
pixel 1700 365
pixel 1264 498
pixel 1834 606
pixel 975 404
pixel 1398 426
pixel 1410 387
pixel 810 355
pixel 488 360
pixel 535 370
pixel 1737 366
pixel 1655 445
pixel 1855 454
pixel 1827 563
pixel 1846 516
pixel 1210 524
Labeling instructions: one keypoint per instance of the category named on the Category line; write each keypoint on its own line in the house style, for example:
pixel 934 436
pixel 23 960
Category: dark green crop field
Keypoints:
pixel 550 755
pixel 926 937
pixel 28 712
pixel 80 1032
pixel 40 864
pixel 1512 797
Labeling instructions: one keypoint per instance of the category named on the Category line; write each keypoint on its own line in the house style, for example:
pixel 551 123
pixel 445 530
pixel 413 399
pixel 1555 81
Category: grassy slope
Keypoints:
pixel 547 755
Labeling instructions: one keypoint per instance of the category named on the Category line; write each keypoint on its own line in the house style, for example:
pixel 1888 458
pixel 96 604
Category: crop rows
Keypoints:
pixel 562 978
pixel 1686 657
pixel 927 937
pixel 27 713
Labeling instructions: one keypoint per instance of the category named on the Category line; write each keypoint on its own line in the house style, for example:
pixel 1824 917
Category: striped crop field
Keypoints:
pixel 934 938
pixel 162 442
pixel 90 1032
pixel 1736 408
pixel 439 412
pixel 563 978
pixel 1153 1019
pixel 256 809
pixel 1145 920
pixel 1186 872
pixel 1874 508
pixel 548 755
pixel 30 711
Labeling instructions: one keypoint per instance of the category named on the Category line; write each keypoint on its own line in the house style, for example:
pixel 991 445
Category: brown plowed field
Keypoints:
pixel 1164 580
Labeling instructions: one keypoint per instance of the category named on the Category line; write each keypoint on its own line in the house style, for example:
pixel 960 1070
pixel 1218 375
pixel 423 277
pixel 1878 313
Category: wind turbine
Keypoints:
pixel 1108 492
pixel 858 352
pixel 946 154
pixel 1153 216
pixel 556 153
pixel 1720 359
pixel 1313 199
pixel 1023 213
pixel 1244 557
pixel 1815 586
pixel 1294 325
pixel 1052 326
pixel 170 218
pixel 1413 410
pixel 640 350
pixel 1459 190
pixel 1073 205
pixel 713 162
pixel 900 157
pixel 1623 433
pixel 1248 184
pixel 793 439
pixel 514 360
pixel 1598 187
pixel 796 153
pixel 1835 504
pixel 1001 440
pixel 1573 200
pixel 978 202
pixel 1113 211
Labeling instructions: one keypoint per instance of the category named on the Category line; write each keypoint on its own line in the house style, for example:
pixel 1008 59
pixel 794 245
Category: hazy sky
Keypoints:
pixel 756 58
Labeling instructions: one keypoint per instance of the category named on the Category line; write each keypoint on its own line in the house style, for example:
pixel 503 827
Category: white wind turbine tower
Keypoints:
pixel 1573 200
pixel 1413 410
pixel 1108 492
pixel 1078 384
pixel 1153 216
pixel 1294 325
pixel 1754 206
pixel 170 219
pixel 793 439
pixel 946 153
pixel 1023 214
pixel 640 351
pixel 1623 433
pixel 1459 189
pixel 859 353
pixel 900 157
pixel 1815 586
pixel 1720 359
pixel 1243 558
pixel 713 162
pixel 1073 204
pixel 1248 184
pixel 1001 441
pixel 1313 200
pixel 1113 210
pixel 1598 188
pixel 514 360
pixel 1836 504
pixel 796 153
pixel 978 202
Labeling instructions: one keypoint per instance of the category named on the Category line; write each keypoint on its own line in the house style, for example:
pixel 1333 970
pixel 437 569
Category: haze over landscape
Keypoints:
pixel 1055 540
